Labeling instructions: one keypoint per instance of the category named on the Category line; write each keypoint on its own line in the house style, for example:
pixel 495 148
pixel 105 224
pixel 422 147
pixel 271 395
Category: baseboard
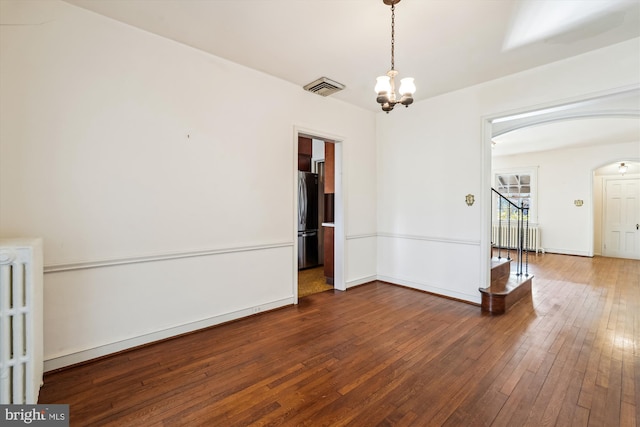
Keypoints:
pixel 116 347
pixel 361 281
pixel 473 299
pixel 566 252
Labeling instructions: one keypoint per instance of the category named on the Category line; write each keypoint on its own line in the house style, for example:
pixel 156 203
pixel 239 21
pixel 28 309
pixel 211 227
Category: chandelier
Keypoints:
pixel 386 85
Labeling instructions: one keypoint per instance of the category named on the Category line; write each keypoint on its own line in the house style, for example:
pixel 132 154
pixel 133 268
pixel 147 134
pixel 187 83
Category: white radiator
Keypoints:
pixel 506 236
pixel 21 321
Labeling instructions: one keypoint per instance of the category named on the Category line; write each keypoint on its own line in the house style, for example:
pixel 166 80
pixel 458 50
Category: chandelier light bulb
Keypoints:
pixel 383 85
pixel 407 86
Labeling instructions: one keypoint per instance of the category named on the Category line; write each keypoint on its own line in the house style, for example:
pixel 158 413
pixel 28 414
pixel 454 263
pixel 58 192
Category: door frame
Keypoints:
pixel 339 203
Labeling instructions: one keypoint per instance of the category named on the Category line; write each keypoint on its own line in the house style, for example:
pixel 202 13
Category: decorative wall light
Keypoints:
pixel 469 199
pixel 386 85
pixel 622 168
pixel 578 203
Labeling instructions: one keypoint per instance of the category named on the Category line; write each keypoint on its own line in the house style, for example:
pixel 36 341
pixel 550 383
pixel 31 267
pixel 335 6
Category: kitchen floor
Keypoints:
pixel 311 281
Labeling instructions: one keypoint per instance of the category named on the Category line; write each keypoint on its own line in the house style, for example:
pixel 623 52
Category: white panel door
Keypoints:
pixel 622 218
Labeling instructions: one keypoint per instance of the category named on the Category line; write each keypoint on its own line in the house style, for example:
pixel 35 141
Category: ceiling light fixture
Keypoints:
pixel 622 168
pixel 386 85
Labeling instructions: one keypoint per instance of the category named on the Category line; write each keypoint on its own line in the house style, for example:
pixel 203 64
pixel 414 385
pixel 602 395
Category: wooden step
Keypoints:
pixel 498 298
pixel 500 270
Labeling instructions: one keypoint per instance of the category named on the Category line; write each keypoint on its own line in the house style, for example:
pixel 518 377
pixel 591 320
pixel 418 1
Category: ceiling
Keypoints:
pixel 444 44
pixel 567 134
pixel 606 119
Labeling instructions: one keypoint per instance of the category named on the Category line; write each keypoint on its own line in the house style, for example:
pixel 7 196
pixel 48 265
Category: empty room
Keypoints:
pixel 469 212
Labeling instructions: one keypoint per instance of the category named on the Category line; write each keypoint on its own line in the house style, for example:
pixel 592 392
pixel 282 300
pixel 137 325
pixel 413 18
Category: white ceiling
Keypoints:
pixel 444 44
pixel 606 119
pixel 566 134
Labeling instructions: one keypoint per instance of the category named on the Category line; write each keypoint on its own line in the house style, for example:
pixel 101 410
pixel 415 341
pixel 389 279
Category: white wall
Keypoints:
pixel 317 150
pixel 427 164
pixel 431 155
pixel 564 176
pixel 160 177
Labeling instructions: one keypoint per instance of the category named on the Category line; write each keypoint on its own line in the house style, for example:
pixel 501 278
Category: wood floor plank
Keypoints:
pixel 580 417
pixel 627 415
pixel 384 355
pixel 569 404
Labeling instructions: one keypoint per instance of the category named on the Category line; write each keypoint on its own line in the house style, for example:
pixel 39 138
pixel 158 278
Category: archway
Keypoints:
pixel 619 104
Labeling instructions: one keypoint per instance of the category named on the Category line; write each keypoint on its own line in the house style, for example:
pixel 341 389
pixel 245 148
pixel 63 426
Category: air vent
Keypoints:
pixel 324 86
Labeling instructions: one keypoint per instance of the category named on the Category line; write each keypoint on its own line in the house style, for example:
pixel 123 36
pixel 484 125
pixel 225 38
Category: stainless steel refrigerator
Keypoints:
pixel 307 219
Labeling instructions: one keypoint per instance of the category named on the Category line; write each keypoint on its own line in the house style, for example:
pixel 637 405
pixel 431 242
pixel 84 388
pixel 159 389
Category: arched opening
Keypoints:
pixel 565 142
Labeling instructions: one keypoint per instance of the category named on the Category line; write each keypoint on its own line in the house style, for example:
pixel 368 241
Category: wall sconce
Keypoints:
pixel 578 203
pixel 469 199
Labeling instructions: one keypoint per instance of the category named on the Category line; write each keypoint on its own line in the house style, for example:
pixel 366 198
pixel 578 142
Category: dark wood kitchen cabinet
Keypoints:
pixel 305 152
pixel 329 168
pixel 328 254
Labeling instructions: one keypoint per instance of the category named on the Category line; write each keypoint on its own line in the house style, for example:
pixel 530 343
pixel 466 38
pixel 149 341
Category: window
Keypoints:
pixel 518 186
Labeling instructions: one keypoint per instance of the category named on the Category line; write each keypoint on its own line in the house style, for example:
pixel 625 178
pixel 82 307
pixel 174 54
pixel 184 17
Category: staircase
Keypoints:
pixel 507 287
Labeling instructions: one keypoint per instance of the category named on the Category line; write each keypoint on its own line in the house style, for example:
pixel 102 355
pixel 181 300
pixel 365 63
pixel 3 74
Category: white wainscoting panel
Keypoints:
pixel 96 311
pixel 446 267
pixel 361 259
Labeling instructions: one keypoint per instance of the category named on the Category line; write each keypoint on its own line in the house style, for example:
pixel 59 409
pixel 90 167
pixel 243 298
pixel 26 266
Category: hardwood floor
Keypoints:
pixel 381 355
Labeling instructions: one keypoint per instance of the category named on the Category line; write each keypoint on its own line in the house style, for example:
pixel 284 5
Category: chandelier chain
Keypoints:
pixel 393 34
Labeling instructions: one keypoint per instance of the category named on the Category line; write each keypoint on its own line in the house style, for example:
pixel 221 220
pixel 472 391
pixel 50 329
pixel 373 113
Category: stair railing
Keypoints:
pixel 508 211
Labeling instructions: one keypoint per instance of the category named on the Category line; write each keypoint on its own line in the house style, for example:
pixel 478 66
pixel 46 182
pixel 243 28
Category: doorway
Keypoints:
pixel 317 189
pixel 621 217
